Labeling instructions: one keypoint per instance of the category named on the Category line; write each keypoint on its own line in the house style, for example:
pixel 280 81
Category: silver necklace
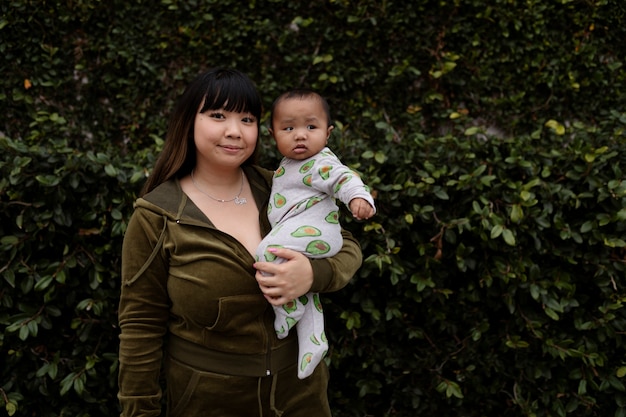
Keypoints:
pixel 238 200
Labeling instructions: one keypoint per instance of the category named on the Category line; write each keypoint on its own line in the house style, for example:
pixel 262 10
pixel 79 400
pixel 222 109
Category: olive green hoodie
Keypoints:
pixel 183 277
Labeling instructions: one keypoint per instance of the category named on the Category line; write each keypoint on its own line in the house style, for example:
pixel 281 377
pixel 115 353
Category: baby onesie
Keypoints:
pixel 305 218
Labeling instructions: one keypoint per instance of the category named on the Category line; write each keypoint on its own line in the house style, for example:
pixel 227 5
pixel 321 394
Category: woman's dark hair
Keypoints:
pixel 219 88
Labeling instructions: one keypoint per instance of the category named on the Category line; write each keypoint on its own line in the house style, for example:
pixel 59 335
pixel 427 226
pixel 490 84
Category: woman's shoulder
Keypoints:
pixel 259 170
pixel 258 173
pixel 166 196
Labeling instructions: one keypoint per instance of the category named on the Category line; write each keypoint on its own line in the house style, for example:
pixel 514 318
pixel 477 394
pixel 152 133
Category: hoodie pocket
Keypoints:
pixel 239 324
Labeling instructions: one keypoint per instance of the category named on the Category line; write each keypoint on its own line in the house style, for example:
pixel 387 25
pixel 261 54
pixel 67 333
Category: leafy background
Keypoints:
pixel 491 131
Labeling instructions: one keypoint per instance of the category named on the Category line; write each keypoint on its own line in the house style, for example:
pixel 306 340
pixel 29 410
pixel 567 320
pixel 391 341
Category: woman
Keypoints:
pixel 192 298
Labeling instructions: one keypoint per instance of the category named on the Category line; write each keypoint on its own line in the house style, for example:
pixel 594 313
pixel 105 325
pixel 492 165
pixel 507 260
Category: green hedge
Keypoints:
pixel 494 283
pixel 493 133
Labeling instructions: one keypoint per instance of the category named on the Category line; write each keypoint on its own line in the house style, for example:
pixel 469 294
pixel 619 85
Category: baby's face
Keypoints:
pixel 300 127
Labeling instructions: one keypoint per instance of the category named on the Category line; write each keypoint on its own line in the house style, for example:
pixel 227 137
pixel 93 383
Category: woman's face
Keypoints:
pixel 224 138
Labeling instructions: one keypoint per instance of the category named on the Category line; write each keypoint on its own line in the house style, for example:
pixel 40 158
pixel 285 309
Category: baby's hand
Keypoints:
pixel 361 209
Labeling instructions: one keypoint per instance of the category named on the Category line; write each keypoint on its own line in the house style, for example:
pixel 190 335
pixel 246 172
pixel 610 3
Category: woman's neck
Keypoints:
pixel 217 178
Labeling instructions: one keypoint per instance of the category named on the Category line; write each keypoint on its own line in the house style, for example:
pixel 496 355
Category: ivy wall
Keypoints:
pixel 491 131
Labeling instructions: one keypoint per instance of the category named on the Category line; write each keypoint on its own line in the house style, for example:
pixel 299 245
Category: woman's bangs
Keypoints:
pixel 233 96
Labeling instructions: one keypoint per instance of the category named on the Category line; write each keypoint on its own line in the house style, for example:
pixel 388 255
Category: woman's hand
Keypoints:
pixel 283 282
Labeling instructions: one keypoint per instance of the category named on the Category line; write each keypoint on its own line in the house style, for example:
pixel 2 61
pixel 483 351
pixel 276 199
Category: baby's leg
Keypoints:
pixel 288 315
pixel 312 342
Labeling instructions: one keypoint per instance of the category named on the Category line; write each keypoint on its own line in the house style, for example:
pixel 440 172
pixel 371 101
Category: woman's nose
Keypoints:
pixel 233 129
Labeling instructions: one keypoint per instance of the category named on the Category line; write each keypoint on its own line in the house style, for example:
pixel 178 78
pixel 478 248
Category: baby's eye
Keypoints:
pixel 311 127
pixel 289 129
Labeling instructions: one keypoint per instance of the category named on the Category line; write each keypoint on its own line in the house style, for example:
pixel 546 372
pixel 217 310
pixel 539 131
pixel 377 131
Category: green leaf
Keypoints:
pixel 516 343
pixel 79 384
pixel 116 214
pixel 353 319
pixel 551 313
pixel 43 283
pixel 508 236
pixel 617 384
pixel 543 222
pixel 496 231
pixel 43 370
pixel 110 170
pixel 9 277
pixel 614 242
pixel 9 240
pixel 517 213
pixel 137 176
pixel 534 291
pixel 487 180
pixel 67 383
pixel 442 194
pixel 11 408
pixel 587 226
pixel 60 277
pixel 471 131
pixel 48 180
pixel 451 388
pixel 53 370
pixel 23 333
pixel 526 195
pixel 557 127
pixel 33 328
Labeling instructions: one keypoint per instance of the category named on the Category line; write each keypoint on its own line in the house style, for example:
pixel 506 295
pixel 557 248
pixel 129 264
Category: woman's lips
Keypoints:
pixel 231 149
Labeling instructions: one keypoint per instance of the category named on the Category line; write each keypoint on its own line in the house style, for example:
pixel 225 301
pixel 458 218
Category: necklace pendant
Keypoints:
pixel 240 201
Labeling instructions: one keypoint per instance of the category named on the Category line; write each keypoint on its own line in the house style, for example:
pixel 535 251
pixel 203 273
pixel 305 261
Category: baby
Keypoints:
pixel 302 208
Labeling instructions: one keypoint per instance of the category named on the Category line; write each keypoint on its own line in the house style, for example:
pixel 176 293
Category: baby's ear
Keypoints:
pixel 330 129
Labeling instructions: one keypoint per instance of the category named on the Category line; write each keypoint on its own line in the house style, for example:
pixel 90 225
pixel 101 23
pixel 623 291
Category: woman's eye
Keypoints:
pixel 217 115
pixel 248 120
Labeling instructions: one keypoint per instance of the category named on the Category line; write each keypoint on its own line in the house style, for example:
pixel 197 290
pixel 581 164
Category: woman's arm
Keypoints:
pixel 334 273
pixel 143 315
